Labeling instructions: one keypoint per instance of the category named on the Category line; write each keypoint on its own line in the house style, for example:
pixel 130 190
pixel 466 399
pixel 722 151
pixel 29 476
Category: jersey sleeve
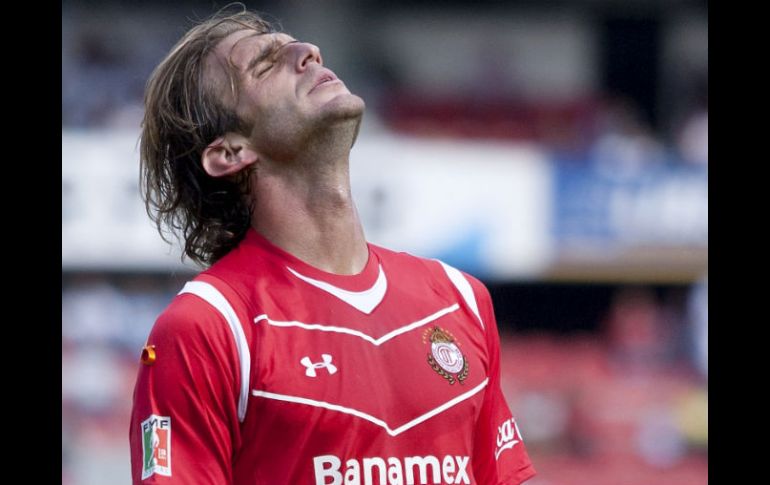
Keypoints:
pixel 499 455
pixel 184 421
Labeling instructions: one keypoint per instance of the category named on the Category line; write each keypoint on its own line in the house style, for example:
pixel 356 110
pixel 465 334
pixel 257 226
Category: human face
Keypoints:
pixel 284 89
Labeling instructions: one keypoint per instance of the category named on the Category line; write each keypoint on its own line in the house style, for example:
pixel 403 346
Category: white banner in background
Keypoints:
pixel 104 223
pixel 483 207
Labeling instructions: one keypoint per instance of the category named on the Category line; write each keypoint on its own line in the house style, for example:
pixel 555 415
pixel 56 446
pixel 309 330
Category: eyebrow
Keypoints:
pixel 269 51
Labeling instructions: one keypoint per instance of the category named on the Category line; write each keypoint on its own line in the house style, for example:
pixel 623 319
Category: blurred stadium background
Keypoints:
pixel 557 150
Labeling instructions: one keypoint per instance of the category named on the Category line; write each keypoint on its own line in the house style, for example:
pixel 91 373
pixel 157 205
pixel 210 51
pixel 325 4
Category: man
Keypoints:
pixel 302 354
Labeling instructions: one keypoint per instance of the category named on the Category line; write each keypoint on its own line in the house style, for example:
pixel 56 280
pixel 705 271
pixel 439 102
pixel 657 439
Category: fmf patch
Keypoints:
pixel 445 356
pixel 156 446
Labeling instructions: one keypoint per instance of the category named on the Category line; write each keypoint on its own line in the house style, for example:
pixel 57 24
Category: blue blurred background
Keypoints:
pixel 557 150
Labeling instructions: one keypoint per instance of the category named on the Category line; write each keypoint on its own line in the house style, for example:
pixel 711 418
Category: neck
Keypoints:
pixel 305 207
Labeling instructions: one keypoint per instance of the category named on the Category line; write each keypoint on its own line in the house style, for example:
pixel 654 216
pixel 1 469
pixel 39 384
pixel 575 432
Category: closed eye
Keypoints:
pixel 264 69
pixel 265 61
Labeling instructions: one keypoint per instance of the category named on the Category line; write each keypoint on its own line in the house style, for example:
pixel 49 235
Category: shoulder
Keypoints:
pixel 436 268
pixel 239 272
pixel 444 279
pixel 404 261
pixel 191 317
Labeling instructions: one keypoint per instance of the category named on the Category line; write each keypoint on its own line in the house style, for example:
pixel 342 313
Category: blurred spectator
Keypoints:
pixel 692 137
pixel 90 380
pixel 698 316
pixel 625 145
pixel 104 67
pixel 638 337
pixel 118 314
pixel 582 432
pixel 693 140
pixel 658 439
pixel 546 413
pixel 692 418
pixel 91 310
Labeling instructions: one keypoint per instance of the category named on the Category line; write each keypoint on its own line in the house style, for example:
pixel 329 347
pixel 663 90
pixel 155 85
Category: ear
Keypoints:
pixel 227 155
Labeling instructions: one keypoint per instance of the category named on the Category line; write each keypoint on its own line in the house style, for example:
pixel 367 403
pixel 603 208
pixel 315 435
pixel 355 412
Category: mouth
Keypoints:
pixel 325 77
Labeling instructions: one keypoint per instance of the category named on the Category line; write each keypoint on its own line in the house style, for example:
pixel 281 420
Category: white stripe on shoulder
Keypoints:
pixel 464 287
pixel 215 298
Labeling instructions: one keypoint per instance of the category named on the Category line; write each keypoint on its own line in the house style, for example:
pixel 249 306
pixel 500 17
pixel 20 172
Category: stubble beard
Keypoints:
pixel 332 133
pixel 329 133
pixel 341 119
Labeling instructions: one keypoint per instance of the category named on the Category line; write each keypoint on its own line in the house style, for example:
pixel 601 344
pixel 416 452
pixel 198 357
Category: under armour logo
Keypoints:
pixel 311 366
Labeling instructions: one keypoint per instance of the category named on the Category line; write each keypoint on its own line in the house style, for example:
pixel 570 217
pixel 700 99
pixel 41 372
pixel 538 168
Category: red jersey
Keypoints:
pixel 266 370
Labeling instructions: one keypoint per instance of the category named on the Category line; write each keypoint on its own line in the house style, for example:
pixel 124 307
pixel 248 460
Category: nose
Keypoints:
pixel 306 54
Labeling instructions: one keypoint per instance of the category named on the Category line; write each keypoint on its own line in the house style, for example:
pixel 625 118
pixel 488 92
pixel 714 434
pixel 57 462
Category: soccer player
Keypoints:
pixel 302 354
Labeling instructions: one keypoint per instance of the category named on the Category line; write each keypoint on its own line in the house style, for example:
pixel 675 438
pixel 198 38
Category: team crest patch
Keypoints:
pixel 156 446
pixel 445 356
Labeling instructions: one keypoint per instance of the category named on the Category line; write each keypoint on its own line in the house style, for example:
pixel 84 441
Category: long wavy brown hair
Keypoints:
pixel 184 112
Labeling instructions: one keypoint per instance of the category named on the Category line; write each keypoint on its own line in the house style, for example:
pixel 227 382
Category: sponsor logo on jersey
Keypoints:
pixel 310 367
pixel 156 446
pixel 391 471
pixel 506 436
pixel 445 356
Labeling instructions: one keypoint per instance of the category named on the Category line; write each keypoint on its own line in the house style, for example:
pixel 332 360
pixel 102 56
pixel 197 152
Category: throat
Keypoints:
pixel 321 228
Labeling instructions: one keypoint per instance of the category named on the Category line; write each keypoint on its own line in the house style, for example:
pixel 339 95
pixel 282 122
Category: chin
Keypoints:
pixel 344 106
pixel 341 118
